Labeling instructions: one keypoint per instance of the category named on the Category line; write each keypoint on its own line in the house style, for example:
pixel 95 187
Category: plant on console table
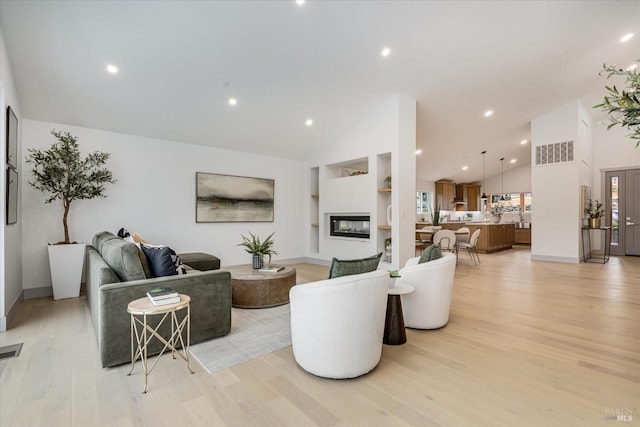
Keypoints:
pixel 61 172
pixel 594 211
pixel 258 248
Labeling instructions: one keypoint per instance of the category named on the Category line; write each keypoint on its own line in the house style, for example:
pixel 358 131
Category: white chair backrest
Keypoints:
pixel 446 238
pixel 463 237
pixel 474 237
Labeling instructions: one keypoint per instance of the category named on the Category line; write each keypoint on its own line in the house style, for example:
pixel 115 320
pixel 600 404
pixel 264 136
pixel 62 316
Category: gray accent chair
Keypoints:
pixel 116 276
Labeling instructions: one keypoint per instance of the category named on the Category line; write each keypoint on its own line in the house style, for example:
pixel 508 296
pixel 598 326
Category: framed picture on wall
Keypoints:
pixel 12 196
pixel 12 139
pixel 228 198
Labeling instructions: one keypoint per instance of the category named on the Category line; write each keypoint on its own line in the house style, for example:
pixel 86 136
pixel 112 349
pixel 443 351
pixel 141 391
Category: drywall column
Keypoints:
pixel 403 171
pixel 556 185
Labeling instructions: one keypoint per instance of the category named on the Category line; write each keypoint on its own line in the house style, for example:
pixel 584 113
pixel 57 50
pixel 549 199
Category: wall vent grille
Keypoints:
pixel 558 152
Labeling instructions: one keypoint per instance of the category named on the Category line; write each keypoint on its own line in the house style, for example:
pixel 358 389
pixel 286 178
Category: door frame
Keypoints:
pixel 618 249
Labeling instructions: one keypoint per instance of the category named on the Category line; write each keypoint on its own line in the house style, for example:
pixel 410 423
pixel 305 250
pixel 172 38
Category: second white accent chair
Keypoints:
pixel 428 306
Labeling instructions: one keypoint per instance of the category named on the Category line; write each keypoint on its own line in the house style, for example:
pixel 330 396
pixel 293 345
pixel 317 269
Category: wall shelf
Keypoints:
pixel 384 227
pixel 315 196
pixel 384 190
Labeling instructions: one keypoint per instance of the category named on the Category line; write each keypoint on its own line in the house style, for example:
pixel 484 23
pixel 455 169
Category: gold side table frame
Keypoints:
pixel 143 333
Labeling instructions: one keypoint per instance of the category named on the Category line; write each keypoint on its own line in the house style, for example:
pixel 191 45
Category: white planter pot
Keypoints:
pixel 65 263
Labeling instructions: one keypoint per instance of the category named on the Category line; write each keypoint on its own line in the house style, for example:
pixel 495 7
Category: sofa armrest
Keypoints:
pixel 210 294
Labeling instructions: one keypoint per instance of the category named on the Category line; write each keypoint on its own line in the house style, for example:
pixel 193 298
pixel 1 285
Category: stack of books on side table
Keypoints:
pixel 163 296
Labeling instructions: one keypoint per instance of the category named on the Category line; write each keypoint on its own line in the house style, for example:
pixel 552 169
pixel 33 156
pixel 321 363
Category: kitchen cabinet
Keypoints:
pixel 522 236
pixel 493 237
pixel 473 198
pixel 445 193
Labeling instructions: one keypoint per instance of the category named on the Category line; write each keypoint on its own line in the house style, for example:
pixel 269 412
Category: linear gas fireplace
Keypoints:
pixel 355 226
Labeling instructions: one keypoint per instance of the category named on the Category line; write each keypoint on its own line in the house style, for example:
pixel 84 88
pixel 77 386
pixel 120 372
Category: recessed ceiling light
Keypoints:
pixel 524 141
pixel 309 122
pixel 626 37
pixel 299 2
pixel 464 168
pixel 233 101
pixel 513 160
pixel 385 52
pixel 488 113
pixel 112 69
pixel 418 151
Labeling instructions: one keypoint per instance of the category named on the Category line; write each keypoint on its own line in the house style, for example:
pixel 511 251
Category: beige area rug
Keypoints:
pixel 254 333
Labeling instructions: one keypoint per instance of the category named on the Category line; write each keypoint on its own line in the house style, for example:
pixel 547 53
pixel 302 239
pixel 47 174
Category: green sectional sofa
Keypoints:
pixel 115 277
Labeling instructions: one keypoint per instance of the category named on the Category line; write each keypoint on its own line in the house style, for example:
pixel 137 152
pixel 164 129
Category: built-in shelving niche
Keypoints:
pixel 314 210
pixel 348 169
pixel 383 169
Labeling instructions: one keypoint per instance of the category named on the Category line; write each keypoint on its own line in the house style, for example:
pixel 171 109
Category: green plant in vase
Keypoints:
pixel 436 217
pixel 258 248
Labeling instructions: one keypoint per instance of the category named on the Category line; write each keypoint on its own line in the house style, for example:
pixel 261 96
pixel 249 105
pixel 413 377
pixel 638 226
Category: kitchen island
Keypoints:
pixel 494 236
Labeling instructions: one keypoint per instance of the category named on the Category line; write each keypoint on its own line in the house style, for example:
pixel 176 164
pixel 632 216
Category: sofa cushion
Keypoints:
pixel 348 267
pixel 431 253
pixel 123 259
pixel 100 238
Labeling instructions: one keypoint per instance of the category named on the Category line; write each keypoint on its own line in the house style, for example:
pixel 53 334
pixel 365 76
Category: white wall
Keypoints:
pixel 612 150
pixel 155 196
pixel 516 180
pixel 10 243
pixel 557 215
pixel 388 128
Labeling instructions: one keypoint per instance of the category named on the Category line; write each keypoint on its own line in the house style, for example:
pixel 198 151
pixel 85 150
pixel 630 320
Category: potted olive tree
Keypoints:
pixel 64 175
pixel 623 106
pixel 258 249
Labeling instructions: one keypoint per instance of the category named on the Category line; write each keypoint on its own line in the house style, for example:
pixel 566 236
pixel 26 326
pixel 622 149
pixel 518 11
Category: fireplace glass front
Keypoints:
pixel 356 226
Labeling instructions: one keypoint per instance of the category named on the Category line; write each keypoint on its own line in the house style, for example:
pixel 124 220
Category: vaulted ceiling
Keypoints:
pixel 180 62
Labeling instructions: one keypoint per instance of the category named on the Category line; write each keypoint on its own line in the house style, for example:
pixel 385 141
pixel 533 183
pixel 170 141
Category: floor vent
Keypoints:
pixel 9 351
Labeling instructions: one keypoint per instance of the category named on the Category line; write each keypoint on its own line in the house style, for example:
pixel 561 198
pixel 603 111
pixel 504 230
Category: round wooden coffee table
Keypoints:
pixel 254 289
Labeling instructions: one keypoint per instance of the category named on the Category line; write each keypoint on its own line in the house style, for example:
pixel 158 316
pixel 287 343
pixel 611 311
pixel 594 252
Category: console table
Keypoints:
pixel 255 289
pixel 586 244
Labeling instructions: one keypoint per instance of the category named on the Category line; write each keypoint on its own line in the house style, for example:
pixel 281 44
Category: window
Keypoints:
pixel 423 202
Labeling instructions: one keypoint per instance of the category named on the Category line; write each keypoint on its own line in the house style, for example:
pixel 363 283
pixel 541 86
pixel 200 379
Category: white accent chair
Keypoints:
pixel 337 324
pixel 470 246
pixel 428 306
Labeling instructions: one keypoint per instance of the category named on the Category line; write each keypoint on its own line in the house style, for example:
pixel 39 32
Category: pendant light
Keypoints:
pixel 502 196
pixel 484 196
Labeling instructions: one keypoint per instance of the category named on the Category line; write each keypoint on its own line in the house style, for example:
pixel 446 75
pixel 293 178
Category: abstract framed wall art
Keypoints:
pixel 229 198
pixel 12 196
pixel 12 139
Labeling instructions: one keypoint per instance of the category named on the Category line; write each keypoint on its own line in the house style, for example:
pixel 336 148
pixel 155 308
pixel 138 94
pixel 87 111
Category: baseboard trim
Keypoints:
pixel 31 293
pixel 5 321
pixel 566 260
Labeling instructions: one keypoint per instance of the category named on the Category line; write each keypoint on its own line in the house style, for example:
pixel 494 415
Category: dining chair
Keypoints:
pixel 470 246
pixel 446 238
pixel 461 237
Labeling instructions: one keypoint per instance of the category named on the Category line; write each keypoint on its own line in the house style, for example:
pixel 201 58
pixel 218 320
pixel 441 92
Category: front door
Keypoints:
pixel 623 211
pixel 632 212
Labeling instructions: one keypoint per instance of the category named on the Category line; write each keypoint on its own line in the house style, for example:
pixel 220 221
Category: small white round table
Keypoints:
pixel 143 333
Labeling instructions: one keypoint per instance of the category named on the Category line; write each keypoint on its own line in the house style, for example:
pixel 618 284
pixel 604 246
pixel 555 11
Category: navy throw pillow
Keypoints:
pixel 160 261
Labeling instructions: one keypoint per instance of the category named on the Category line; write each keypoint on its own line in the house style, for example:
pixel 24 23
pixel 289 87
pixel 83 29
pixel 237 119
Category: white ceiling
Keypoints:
pixel 286 63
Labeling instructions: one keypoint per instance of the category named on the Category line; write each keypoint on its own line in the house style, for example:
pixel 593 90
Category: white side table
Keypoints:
pixel 394 333
pixel 143 333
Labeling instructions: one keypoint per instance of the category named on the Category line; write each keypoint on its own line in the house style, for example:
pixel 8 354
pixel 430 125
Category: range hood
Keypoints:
pixel 459 198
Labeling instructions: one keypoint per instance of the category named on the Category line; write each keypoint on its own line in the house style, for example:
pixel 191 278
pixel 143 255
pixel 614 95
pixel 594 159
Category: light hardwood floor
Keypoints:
pixel 528 344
